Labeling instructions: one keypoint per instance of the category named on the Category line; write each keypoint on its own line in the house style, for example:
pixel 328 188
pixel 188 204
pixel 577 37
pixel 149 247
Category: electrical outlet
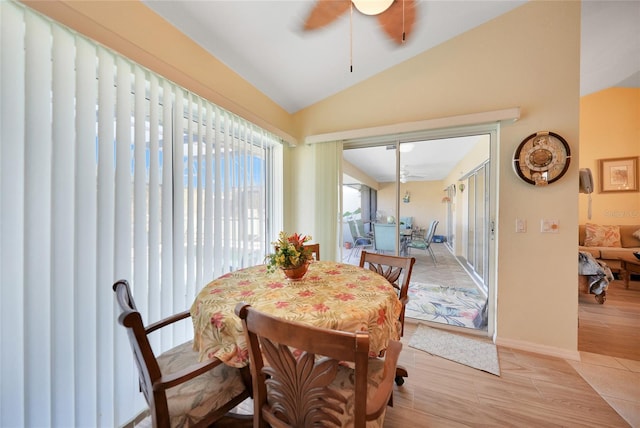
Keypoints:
pixel 549 226
pixel 521 225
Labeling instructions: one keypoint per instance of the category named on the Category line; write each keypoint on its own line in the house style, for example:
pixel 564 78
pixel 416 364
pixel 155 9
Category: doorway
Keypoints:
pixel 440 175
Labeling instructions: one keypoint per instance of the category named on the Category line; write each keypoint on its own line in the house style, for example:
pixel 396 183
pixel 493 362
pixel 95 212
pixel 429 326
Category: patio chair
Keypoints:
pixel 384 237
pixel 180 390
pixel 425 244
pixel 360 239
pixel 296 389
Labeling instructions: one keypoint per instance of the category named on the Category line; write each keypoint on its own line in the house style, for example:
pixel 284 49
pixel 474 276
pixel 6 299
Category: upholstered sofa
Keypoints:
pixel 608 242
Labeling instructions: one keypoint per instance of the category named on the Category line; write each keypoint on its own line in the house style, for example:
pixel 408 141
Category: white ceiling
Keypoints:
pixel 263 42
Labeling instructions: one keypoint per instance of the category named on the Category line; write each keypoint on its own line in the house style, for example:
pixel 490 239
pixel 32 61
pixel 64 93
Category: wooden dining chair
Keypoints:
pixel 397 270
pixel 315 250
pixel 292 388
pixel 179 390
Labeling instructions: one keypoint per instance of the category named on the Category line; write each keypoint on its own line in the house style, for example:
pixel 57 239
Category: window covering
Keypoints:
pixel 109 171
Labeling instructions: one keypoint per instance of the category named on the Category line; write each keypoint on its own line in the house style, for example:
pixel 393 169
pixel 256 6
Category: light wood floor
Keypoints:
pixel 534 390
pixel 612 328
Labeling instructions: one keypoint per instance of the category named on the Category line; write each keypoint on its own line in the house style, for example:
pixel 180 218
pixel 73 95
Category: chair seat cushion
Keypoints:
pixel 418 244
pixel 191 401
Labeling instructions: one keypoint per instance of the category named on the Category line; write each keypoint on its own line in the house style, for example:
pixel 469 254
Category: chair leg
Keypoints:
pixel 433 256
pixel 401 373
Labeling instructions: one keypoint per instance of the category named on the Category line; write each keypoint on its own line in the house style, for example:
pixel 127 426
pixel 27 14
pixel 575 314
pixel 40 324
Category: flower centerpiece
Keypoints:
pixel 291 255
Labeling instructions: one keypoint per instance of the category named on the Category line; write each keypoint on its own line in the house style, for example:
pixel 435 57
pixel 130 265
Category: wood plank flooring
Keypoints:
pixel 612 328
pixel 532 391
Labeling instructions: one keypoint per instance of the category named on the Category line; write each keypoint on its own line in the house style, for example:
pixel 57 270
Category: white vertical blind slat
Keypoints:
pixel 86 203
pixel 227 225
pixel 12 215
pixel 166 221
pixel 106 236
pixel 155 193
pixel 37 278
pixel 199 201
pixel 208 198
pixel 218 257
pixel 123 229
pixel 178 301
pixel 140 273
pixel 63 230
pixel 191 146
pixel 140 197
pixel 243 194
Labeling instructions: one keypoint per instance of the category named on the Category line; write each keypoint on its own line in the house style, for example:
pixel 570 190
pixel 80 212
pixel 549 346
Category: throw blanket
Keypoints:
pixel 598 273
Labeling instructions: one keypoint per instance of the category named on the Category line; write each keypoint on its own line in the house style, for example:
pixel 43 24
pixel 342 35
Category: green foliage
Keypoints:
pixel 290 252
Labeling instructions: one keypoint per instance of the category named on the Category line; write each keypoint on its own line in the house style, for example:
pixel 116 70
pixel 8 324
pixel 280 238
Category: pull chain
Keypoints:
pixel 403 34
pixel 351 38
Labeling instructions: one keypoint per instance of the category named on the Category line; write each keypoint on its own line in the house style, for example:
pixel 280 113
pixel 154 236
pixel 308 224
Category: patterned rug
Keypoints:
pixel 462 307
pixel 479 354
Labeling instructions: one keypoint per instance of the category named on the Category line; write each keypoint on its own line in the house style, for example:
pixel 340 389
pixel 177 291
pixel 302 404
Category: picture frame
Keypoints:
pixel 618 174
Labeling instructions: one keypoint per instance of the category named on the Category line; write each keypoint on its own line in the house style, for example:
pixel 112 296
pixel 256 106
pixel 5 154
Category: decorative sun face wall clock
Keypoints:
pixel 542 158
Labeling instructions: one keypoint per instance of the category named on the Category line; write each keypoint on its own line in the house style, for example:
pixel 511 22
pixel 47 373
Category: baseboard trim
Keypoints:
pixel 536 348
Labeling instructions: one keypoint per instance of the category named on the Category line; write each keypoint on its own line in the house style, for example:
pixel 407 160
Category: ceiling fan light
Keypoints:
pixel 372 7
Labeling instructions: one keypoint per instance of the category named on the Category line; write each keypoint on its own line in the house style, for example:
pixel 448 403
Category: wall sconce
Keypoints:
pixel 407 198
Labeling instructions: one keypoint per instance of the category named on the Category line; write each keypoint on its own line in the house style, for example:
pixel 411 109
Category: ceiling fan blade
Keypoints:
pixel 391 20
pixel 325 12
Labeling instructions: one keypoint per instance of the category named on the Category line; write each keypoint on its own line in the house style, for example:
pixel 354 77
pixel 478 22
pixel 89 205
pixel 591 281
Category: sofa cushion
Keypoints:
pixel 627 237
pixel 601 236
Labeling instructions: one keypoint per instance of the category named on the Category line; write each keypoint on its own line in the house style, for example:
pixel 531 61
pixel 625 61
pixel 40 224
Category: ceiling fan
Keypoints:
pixel 405 175
pixel 396 17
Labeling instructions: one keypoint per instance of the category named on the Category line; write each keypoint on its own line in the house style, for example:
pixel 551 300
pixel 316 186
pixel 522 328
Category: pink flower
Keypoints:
pixel 320 307
pixel 216 319
pixel 345 296
pixel 274 285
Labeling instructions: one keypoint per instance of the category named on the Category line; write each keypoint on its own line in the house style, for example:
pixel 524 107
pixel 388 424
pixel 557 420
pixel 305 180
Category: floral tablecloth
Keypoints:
pixel 331 295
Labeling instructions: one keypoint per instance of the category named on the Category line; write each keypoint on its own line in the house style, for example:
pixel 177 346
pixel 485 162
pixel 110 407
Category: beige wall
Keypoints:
pixel 492 67
pixel 609 128
pixel 425 204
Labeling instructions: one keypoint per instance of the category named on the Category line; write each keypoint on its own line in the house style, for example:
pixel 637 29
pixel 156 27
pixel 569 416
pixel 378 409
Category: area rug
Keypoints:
pixel 462 307
pixel 474 353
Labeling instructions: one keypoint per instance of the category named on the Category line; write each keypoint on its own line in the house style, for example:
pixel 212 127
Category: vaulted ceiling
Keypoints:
pixel 265 43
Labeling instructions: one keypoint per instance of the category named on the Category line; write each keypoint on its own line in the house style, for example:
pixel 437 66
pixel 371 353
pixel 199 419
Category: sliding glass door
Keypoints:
pixel 478 230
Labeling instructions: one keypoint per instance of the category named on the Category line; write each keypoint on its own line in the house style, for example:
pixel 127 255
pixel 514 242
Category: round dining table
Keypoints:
pixel 331 295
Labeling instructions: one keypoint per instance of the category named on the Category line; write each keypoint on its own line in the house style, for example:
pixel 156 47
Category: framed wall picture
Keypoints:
pixel 618 175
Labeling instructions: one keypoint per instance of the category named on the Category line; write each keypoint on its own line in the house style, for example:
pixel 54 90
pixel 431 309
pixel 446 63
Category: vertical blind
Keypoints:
pixel 108 171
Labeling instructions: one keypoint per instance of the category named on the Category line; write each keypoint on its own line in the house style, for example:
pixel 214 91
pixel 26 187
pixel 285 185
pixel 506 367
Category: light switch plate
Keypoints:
pixel 549 226
pixel 521 225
